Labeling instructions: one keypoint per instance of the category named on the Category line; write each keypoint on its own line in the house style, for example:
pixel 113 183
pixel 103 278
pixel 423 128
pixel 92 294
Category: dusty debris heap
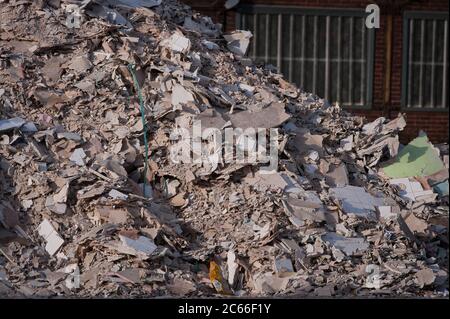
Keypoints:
pixel 347 212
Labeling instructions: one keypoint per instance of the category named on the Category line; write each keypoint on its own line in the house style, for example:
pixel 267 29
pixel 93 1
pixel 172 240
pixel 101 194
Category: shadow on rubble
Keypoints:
pixel 11 221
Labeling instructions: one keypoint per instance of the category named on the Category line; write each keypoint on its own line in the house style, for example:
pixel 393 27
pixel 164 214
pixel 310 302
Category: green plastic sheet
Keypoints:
pixel 418 158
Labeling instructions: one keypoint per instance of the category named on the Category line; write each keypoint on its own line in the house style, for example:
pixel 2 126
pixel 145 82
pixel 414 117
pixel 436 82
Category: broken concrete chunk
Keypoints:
pixel 283 266
pixel 108 14
pixel 69 136
pixel 210 45
pixel 180 95
pixel 304 142
pixel 425 277
pixel 412 190
pixel 247 88
pixel 115 194
pixel 274 181
pixel 178 200
pixel 355 200
pixel 337 254
pixel 271 116
pixel 90 192
pixel 61 196
pixel 203 25
pixel 267 284
pixel 86 86
pixel 53 239
pixel 238 41
pixel 49 97
pixel 310 208
pixel 398 124
pixel 337 175
pixel 178 43
pixel 80 64
pixel 416 225
pixel 347 143
pixel 57 202
pixel 211 119
pixel 27 204
pixel 386 212
pixel 141 246
pixel 374 127
pixel 232 267
pixel 350 246
pixel 181 287
pixel 377 146
pixel 78 157
pixel 111 215
pixel 57 208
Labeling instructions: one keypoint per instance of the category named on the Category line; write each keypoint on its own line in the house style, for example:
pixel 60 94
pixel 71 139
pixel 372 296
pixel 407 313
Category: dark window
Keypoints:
pixel 326 52
pixel 425 61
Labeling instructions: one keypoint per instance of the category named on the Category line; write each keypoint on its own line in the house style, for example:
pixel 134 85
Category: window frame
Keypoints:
pixel 319 11
pixel 407 15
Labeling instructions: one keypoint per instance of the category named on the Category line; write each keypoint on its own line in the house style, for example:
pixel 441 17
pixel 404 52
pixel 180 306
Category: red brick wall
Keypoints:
pixel 434 123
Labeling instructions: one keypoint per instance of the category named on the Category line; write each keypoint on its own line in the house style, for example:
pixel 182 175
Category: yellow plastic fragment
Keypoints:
pixel 215 275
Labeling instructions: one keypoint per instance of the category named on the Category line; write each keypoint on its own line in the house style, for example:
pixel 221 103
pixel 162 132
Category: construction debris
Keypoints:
pixel 112 117
pixel 418 158
pixel 52 238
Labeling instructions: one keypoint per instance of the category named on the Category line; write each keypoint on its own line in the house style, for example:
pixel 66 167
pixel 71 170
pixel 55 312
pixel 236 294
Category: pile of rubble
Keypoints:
pixel 96 97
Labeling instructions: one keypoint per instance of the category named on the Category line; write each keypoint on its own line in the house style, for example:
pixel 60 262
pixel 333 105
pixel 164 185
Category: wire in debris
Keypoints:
pixel 132 69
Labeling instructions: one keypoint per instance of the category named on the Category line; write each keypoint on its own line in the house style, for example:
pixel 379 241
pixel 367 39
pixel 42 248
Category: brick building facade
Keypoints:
pixel 387 85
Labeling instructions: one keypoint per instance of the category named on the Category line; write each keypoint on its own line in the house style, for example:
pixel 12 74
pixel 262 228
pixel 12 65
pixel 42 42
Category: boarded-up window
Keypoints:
pixel 326 52
pixel 425 60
